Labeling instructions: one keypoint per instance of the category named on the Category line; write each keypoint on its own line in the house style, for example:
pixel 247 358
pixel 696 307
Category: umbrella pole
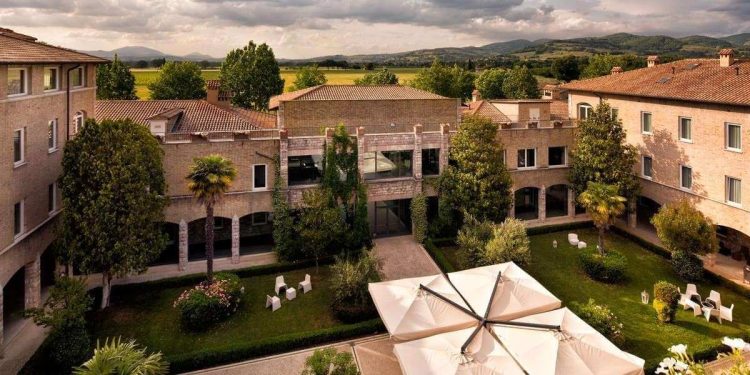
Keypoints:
pixel 446 300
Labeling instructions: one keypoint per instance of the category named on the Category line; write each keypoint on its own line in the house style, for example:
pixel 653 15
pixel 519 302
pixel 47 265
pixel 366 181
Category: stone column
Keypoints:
pixel 183 245
pixel 417 159
pixel 445 144
pixel 284 157
pixel 542 201
pixel 32 284
pixel 235 239
pixel 571 202
pixel 632 214
pixel 361 147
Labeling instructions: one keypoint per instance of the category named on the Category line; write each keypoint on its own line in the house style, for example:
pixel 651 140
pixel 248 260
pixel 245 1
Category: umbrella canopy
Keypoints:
pixel 419 307
pixel 441 354
pixel 576 348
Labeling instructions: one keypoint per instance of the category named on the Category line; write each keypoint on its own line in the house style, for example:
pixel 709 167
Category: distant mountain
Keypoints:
pixel 135 53
pixel 739 39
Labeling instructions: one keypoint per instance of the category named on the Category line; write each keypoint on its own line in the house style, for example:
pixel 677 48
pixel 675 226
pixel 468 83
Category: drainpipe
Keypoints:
pixel 67 101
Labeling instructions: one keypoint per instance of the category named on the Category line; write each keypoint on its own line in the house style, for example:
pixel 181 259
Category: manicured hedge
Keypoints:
pixel 609 268
pixel 559 228
pixel 235 352
pixel 437 255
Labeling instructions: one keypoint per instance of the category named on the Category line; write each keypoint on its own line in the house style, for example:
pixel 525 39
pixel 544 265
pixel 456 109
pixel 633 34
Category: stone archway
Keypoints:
pixel 197 238
pixel 556 200
pixel 526 203
pixel 171 252
pixel 256 233
pixel 733 243
pixel 646 208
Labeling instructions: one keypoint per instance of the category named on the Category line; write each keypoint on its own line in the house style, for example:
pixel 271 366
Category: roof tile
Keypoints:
pixel 354 92
pixel 17 48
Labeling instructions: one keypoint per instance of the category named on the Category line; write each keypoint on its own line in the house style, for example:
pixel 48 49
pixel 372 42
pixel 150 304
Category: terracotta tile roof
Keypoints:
pixel 213 84
pixel 726 51
pixel 486 109
pixel 17 48
pixel 196 115
pixel 697 80
pixel 354 92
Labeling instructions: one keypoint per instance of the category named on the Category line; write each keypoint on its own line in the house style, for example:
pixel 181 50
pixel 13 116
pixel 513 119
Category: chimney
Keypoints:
pixel 726 57
pixel 476 96
pixel 616 70
pixel 652 61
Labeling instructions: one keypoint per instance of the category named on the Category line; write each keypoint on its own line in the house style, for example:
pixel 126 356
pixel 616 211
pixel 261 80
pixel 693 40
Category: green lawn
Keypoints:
pixel 147 315
pixel 558 270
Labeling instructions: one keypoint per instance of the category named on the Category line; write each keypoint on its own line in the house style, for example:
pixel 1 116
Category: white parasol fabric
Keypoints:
pixel 576 348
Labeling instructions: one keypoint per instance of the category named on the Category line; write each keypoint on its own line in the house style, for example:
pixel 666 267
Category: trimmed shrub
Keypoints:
pixel 351 299
pixel 329 361
pixel 509 243
pixel 603 320
pixel 609 268
pixel 688 266
pixel 666 296
pixel 473 238
pixel 419 217
pixel 209 303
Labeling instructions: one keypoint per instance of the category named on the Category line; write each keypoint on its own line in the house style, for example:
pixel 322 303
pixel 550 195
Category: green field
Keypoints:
pixel 335 76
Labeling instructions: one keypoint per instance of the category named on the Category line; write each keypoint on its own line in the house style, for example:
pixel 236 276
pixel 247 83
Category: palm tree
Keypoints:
pixel 120 358
pixel 210 177
pixel 603 203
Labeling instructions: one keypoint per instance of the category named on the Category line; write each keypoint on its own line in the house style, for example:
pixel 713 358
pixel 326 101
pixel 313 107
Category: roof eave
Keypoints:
pixel 659 97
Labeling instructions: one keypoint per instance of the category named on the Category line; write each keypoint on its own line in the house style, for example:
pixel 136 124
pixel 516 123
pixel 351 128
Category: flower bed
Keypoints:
pixel 209 303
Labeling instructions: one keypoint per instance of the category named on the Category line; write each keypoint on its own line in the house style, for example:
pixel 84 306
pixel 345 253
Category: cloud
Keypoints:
pixel 303 28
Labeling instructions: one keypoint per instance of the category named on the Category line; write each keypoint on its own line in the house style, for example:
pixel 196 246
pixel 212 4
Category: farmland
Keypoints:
pixel 335 76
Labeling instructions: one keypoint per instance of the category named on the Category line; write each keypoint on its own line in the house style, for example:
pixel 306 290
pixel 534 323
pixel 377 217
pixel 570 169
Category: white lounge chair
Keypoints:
pixel 715 298
pixel 725 313
pixel 573 239
pixel 305 285
pixel 279 284
pixel 688 303
pixel 582 245
pixel 273 302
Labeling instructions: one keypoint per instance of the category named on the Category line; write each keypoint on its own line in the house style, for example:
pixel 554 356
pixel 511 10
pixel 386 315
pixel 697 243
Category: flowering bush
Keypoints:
pixel 603 320
pixel 209 303
pixel 681 363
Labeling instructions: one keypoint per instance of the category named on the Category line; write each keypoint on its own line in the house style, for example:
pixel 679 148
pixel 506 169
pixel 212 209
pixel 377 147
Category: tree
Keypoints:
pixel 320 223
pixel 566 68
pixel 64 313
pixel 454 82
pixel 114 81
pixel 209 179
pixel 521 84
pixel 509 243
pixel 178 80
pixel 419 217
pixel 601 65
pixel 141 64
pixel 477 181
pixel 120 357
pixel 158 63
pixel 381 77
pixel 490 83
pixel 308 77
pixel 601 154
pixel 284 237
pixel 328 361
pixel 253 75
pixel 113 191
pixel 472 240
pixel 351 301
pixel 681 227
pixel 603 203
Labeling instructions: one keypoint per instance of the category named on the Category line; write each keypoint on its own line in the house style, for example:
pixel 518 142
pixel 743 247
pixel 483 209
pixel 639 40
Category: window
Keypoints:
pixel 557 156
pixel 51 78
pixel 387 164
pixel 686 129
pixel 584 111
pixel 646 126
pixel 78 122
pixel 534 114
pixel 77 77
pixel 648 171
pixel 18 219
pixel 259 218
pixel 259 177
pixel 527 158
pixel 615 113
pixel 52 135
pixel 19 140
pixel 18 81
pixel 305 169
pixel 686 177
pixel 734 137
pixel 51 198
pixel 734 190
pixel 430 161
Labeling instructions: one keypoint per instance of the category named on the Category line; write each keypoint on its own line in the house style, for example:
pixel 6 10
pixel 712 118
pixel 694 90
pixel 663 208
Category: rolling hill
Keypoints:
pixel 134 53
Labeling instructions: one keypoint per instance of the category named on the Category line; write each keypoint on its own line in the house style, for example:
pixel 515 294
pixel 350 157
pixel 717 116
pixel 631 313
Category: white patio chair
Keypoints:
pixel 715 298
pixel 273 302
pixel 573 239
pixel 691 290
pixel 279 284
pixel 305 285
pixel 582 245
pixel 688 303
pixel 725 313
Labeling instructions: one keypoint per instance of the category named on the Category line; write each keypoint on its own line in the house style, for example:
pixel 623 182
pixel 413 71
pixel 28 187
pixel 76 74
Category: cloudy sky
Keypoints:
pixel 308 28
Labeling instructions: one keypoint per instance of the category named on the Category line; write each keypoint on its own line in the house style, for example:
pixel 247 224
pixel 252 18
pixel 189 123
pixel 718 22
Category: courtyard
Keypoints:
pixel 558 270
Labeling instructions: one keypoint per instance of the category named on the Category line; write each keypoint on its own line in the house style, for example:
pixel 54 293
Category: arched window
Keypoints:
pixel 584 111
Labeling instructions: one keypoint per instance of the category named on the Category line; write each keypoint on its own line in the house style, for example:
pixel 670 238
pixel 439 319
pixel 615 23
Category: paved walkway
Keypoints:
pixel 401 257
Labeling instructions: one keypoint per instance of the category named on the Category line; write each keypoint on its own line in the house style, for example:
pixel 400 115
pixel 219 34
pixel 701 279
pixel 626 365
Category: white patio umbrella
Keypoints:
pixel 419 307
pixel 576 348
